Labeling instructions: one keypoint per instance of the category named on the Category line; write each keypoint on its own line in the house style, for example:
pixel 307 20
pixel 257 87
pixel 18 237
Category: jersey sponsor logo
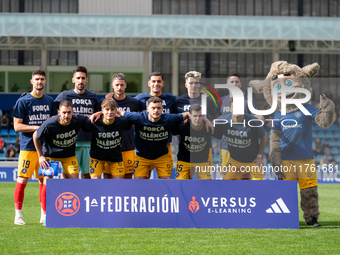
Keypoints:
pixel 194 205
pixel 278 207
pixel 67 204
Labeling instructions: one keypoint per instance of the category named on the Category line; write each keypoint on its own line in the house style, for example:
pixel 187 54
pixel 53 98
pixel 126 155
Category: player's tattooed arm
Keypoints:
pixel 20 127
pixel 42 160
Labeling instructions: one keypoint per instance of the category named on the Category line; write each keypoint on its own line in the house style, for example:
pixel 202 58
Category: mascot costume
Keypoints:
pixel 291 141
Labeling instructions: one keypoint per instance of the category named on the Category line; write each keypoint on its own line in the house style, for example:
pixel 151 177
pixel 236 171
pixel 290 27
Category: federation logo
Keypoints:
pixel 298 114
pixel 67 204
pixel 278 207
pixel 23 170
pixel 194 205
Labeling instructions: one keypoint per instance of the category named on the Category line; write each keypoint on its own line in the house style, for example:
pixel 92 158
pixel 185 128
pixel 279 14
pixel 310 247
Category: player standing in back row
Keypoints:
pixel 156 84
pixel 128 104
pixel 84 102
pixel 29 113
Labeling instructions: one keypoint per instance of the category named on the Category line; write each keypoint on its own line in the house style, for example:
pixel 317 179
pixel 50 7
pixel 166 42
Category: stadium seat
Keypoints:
pixel 321 134
pixel 2 155
pixel 11 140
pixel 338 142
pixel 332 143
pixel 336 135
pixel 314 135
pixel 329 135
pixel 335 151
pixel 318 158
pixel 12 132
pixel 335 127
pixel 4 132
pixel 337 158
pixel 317 128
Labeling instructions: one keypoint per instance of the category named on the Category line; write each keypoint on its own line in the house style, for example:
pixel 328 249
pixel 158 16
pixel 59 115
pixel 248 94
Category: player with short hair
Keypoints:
pixel 84 102
pixel 107 135
pixel 232 79
pixel 194 146
pixel 156 84
pixel 128 104
pixel 60 135
pixel 243 138
pixel 194 96
pixel 152 133
pixel 29 113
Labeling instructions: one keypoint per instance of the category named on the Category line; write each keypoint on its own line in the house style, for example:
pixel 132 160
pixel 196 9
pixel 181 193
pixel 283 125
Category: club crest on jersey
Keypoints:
pixel 23 170
pixel 298 114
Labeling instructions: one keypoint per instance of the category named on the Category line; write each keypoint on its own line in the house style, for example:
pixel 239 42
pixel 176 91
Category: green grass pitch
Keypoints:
pixel 33 238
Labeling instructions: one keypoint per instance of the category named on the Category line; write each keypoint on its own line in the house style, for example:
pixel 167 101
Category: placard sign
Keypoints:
pixel 171 204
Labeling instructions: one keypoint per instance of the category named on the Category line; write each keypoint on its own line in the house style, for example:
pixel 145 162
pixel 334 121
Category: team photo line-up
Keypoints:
pixel 124 137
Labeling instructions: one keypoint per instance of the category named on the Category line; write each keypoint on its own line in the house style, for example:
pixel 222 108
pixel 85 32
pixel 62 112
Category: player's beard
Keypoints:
pixel 81 87
pixel 39 87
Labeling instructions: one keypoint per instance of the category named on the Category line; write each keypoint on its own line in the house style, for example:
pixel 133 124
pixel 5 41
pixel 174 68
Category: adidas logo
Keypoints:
pixel 278 206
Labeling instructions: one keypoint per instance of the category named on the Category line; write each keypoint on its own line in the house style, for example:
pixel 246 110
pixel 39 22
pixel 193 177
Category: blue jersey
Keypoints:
pixel 194 144
pixel 169 102
pixel 152 137
pixel 128 104
pixel 33 111
pixel 296 139
pixel 106 139
pixel 85 104
pixel 225 108
pixel 183 105
pixel 243 140
pixel 60 141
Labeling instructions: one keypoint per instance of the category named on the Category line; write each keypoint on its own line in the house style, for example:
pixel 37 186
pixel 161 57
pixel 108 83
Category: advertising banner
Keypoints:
pixel 171 204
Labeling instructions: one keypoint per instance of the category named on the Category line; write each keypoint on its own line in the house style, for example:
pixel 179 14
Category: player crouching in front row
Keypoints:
pixel 152 133
pixel 60 134
pixel 194 146
pixel 106 141
pixel 245 162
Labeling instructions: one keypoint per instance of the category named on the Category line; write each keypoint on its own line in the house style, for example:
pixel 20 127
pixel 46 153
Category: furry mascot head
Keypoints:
pixel 284 75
